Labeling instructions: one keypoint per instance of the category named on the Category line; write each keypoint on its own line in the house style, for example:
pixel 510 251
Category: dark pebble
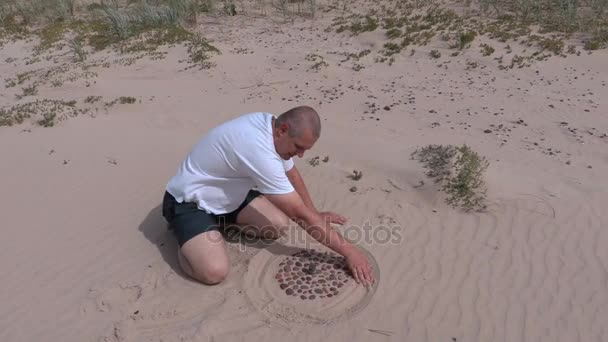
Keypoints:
pixel 299 282
pixel 329 295
pixel 289 292
pixel 298 264
pixel 318 291
pixel 303 296
pixel 311 297
pixel 283 286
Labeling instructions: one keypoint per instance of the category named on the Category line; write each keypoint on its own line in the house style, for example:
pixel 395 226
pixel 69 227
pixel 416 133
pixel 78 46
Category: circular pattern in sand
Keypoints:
pixel 297 285
pixel 310 274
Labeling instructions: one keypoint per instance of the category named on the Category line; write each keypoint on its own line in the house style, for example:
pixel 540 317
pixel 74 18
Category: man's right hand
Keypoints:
pixel 360 268
pixel 292 205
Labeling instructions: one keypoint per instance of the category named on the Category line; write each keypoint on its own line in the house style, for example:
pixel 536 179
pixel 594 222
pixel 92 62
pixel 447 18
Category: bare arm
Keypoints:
pixel 313 223
pixel 298 183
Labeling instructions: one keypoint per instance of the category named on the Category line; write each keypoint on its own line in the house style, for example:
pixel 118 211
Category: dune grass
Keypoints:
pixel 129 27
pixel 459 170
pixel 542 24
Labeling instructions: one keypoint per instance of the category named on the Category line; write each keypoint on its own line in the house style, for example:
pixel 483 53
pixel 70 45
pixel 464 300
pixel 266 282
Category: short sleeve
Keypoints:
pixel 288 164
pixel 268 173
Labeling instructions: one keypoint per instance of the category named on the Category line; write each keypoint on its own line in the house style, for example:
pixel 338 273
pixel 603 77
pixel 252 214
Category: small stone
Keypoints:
pixel 353 189
pixel 298 264
pixel 295 287
pixel 308 278
pixel 289 292
pixel 487 131
pixel 303 296
pixel 283 286
pixel 318 291
pixel 332 289
pixel 304 287
pixel 287 269
pixel 290 283
pixel 311 297
pixel 329 295
pixel 289 262
pixel 299 282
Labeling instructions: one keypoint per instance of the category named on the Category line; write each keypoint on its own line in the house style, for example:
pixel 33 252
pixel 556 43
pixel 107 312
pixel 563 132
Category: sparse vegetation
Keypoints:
pixel 317 60
pixel 417 22
pixel 49 110
pixel 356 175
pixel 486 49
pixel 460 172
pixel 435 54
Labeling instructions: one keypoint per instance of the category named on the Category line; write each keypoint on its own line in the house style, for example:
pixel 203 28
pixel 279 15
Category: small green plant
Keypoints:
pixel 460 170
pixel 486 49
pixel 28 91
pixel 318 61
pixel 435 54
pixel 92 99
pixel 554 45
pixel 48 120
pixel 75 46
pixel 356 175
pixel 465 38
pixel 314 161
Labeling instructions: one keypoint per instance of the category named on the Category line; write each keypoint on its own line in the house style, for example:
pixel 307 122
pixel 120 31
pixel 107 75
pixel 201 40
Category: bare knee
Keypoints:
pixel 211 274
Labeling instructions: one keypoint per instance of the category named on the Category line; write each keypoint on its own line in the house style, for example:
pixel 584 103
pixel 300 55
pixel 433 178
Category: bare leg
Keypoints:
pixel 260 218
pixel 204 258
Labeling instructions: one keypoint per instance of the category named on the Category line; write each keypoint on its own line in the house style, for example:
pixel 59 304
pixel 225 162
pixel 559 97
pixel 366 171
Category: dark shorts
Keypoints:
pixel 186 220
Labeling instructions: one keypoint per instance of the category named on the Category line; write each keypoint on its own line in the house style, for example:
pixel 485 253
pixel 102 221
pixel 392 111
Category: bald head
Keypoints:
pixel 300 119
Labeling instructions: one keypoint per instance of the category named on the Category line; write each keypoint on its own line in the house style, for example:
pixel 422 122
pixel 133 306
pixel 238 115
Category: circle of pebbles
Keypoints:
pixel 310 274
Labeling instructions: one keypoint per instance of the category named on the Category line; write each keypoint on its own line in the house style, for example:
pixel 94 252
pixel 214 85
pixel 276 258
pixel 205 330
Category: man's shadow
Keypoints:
pixel 155 228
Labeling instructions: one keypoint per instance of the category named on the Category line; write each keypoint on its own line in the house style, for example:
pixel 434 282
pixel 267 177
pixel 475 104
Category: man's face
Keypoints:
pixel 288 147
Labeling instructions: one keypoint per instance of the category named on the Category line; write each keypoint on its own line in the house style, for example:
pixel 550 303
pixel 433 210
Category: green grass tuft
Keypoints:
pixel 459 170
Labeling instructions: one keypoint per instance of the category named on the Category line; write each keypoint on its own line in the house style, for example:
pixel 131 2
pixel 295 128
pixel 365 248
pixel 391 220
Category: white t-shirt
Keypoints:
pixel 230 160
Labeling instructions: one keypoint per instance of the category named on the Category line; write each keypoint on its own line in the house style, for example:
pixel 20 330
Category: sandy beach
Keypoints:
pixel 86 255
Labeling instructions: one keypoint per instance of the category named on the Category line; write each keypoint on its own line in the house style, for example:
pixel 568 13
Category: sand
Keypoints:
pixel 85 254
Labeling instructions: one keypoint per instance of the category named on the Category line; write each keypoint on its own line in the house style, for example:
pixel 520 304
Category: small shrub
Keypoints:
pixel 460 169
pixel 465 38
pixel 486 49
pixel 393 33
pixel 435 54
pixel 48 120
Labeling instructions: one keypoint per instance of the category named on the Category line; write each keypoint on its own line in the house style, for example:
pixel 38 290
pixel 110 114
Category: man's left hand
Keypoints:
pixel 333 217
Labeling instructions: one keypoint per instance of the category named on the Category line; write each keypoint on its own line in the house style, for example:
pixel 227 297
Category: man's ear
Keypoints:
pixel 284 128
